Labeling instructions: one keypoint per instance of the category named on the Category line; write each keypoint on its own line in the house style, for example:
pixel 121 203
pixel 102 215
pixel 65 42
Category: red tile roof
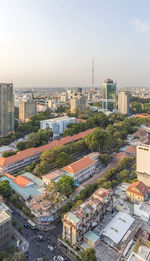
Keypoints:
pixel 19 180
pixel 21 155
pixel 80 120
pixel 131 149
pixel 138 188
pixel 121 155
pixel 79 165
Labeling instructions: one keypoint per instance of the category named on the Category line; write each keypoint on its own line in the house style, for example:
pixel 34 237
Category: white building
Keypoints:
pixel 58 125
pixel 143 163
pixel 118 227
pixel 142 210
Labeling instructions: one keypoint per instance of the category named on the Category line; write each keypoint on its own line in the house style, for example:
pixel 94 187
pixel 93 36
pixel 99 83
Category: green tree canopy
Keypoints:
pixel 5 188
pixel 88 255
pixel 65 185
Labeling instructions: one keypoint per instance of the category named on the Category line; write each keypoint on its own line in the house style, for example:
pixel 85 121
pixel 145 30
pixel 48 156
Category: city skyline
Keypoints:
pixel 52 44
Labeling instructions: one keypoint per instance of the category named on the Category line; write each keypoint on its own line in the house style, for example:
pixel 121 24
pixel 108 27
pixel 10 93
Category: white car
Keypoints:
pixel 51 248
pixel 60 258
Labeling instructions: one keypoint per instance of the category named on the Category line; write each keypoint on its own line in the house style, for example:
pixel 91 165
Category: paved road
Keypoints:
pixel 41 250
pixel 112 164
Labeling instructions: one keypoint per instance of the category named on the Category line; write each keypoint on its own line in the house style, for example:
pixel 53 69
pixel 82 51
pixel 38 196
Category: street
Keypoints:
pixel 39 248
pixel 112 164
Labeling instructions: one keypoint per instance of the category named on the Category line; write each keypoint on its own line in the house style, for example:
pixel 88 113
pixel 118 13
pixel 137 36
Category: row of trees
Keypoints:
pixel 112 178
pixel 59 156
pixel 42 137
pixel 98 120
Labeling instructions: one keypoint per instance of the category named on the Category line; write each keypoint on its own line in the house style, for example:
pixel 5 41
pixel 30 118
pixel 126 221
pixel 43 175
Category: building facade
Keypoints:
pixel 142 163
pixel 78 222
pixel 78 104
pixel 6 109
pixel 109 95
pixel 137 191
pixel 5 225
pixel 123 102
pixel 58 125
pixel 26 110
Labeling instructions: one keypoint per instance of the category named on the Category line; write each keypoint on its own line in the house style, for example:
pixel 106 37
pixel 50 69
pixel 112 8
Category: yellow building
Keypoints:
pixel 137 191
pixel 26 110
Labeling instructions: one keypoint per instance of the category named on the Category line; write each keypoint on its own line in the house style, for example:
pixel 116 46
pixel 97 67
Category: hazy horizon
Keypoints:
pixel 52 42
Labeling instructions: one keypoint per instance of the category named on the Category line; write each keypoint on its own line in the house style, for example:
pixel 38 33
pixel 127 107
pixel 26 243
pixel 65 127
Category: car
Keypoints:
pixel 55 258
pixel 50 248
pixel 60 258
pixel 26 225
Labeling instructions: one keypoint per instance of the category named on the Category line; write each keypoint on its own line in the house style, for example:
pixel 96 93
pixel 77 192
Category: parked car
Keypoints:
pixel 51 248
pixel 26 225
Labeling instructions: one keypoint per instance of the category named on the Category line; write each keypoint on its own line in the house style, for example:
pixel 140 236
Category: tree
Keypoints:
pixel 33 140
pixel 5 188
pixel 124 175
pixel 41 168
pixel 45 135
pixel 65 185
pixel 22 145
pixel 14 198
pixel 104 158
pixel 88 255
pixel 62 159
pixel 6 154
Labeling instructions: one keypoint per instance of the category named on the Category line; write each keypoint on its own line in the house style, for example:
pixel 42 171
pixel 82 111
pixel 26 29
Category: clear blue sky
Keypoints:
pixel 52 42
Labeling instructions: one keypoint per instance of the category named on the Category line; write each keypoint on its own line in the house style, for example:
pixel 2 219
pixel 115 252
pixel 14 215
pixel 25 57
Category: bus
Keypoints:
pixel 31 224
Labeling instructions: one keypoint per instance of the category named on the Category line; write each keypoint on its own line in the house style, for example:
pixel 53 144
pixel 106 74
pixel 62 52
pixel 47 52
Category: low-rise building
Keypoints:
pixel 45 210
pixel 83 168
pixel 26 185
pixel 53 176
pixel 142 210
pixel 137 191
pixel 5 225
pixel 86 216
pixel 42 107
pixel 91 239
pixel 23 158
pixel 118 227
pixel 58 125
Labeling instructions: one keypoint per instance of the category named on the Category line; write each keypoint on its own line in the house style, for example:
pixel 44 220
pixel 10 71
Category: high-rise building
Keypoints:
pixel 142 163
pixel 109 95
pixel 79 89
pixel 5 225
pixel 78 104
pixel 123 102
pixel 6 109
pixel 26 110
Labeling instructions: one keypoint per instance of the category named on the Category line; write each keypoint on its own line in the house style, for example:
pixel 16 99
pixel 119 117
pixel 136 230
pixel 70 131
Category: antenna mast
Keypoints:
pixel 93 80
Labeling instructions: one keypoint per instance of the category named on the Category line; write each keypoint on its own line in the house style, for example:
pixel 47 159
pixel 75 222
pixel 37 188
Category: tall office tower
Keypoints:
pixel 142 163
pixel 109 95
pixel 123 102
pixel 6 109
pixel 26 110
pixel 78 104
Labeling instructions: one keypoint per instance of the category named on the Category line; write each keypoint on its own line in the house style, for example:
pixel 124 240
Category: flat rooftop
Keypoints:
pixel 91 236
pixel 4 216
pixel 59 119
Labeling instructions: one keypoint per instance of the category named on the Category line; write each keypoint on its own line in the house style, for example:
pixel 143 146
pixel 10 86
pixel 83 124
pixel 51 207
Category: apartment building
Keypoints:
pixel 23 158
pixel 78 104
pixel 26 110
pixel 123 102
pixel 137 191
pixel 89 213
pixel 142 163
pixel 5 225
pixel 6 109
pixel 83 168
pixel 46 210
pixel 58 125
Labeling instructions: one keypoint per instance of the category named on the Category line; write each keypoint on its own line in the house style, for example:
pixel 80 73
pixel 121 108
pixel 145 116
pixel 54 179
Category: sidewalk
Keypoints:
pixel 24 246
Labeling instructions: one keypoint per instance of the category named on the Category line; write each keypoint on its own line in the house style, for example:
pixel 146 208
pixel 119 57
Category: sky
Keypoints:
pixel 51 43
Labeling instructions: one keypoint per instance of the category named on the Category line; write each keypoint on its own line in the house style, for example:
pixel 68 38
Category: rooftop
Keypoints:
pixel 21 155
pixel 4 216
pixel 91 236
pixel 79 165
pixel 138 188
pixel 59 119
pixel 118 227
